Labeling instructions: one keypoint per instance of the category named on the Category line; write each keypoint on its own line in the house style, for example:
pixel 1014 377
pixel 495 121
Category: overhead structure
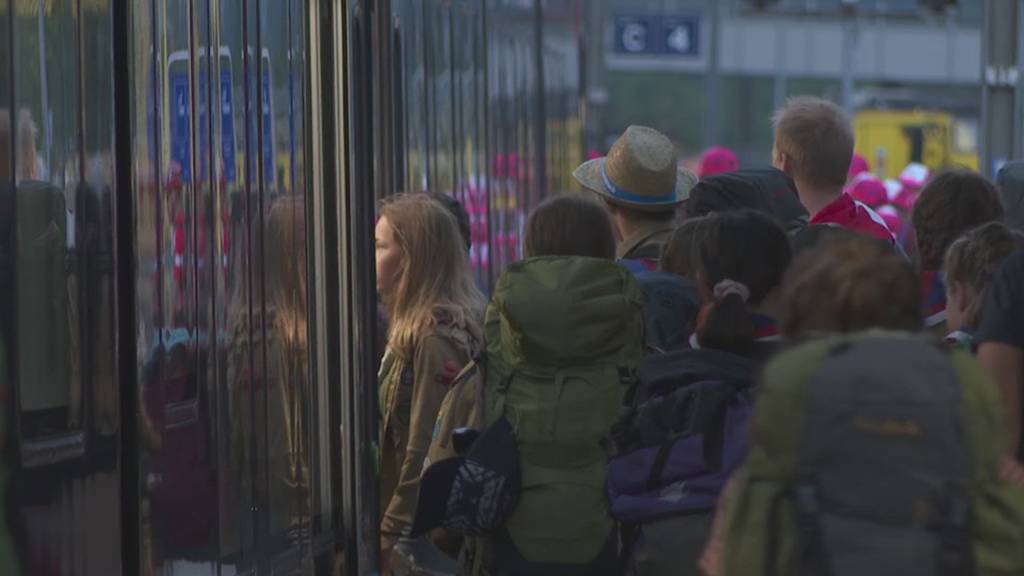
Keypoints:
pixel 1001 84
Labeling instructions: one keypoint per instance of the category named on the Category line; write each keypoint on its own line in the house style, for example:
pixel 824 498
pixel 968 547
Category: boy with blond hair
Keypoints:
pixel 814 146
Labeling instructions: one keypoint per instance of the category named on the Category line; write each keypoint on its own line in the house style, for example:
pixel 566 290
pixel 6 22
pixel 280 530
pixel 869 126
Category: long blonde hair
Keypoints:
pixel 433 280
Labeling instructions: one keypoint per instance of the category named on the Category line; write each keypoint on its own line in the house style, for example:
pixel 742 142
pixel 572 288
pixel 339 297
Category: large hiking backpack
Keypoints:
pixel 564 339
pixel 675 451
pixel 663 374
pixel 875 454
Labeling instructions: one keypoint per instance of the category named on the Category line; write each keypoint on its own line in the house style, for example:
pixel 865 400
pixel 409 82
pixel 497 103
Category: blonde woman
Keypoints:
pixel 434 313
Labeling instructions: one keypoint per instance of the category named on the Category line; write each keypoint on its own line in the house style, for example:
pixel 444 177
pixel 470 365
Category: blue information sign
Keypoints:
pixel 227 127
pixel 181 126
pixel 658 35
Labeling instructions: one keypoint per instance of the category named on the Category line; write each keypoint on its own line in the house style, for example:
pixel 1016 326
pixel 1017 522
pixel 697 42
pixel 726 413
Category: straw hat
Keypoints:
pixel 640 172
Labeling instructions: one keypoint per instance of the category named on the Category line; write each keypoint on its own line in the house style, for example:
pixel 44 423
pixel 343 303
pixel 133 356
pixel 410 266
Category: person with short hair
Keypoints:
pixel 814 145
pixel 970 263
pixel 569 225
pixel 642 185
pixel 435 313
pixel 952 203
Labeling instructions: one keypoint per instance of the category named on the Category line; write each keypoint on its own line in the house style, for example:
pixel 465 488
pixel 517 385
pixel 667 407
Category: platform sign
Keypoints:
pixel 658 35
pixel 181 125
pixel 681 35
pixel 227 127
pixel 633 34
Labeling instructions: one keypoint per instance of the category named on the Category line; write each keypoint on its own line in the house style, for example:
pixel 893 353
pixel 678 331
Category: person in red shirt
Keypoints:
pixel 814 146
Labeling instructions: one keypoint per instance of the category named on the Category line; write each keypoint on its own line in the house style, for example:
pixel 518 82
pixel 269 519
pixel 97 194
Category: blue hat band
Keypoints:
pixel 626 195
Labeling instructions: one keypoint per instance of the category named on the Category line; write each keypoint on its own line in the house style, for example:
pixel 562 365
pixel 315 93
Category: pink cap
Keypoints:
pixel 892 218
pixel 893 187
pixel 858 166
pixel 870 191
pixel 914 176
pixel 906 199
pixel 718 160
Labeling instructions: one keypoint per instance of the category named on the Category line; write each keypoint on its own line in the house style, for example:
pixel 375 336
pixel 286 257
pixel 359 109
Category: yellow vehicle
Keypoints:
pixel 891 139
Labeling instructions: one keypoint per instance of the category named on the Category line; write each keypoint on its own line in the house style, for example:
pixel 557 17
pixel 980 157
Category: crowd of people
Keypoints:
pixel 795 369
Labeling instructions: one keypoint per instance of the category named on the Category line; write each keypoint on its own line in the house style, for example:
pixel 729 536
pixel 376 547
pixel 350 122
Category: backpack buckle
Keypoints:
pixel 955 555
pixel 808 507
pixel 806 499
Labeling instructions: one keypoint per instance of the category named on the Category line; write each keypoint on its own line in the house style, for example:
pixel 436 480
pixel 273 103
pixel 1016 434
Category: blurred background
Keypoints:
pixel 711 72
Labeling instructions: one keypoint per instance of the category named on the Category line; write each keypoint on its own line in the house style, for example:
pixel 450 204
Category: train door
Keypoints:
pixel 229 480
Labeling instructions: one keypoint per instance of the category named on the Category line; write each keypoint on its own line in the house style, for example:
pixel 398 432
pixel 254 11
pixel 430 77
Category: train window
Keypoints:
pixel 97 233
pixel 235 349
pixel 286 305
pixel 444 104
pixel 47 252
pixel 400 101
pixel 965 136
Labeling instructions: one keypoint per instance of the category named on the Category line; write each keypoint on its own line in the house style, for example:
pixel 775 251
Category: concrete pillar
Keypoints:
pixel 1001 84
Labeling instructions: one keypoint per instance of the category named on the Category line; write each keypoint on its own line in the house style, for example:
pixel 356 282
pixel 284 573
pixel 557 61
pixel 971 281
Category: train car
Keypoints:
pixel 187 197
pixel 891 139
pixel 895 127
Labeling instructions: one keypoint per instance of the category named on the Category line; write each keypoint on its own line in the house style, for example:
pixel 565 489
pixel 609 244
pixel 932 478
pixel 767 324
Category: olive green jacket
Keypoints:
pixel 411 393
pixel 646 242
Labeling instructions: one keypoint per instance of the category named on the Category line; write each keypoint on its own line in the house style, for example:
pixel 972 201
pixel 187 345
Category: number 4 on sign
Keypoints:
pixel 679 39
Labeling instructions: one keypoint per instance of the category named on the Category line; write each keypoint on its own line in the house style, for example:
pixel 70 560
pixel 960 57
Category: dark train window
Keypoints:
pixel 46 250
pixel 398 86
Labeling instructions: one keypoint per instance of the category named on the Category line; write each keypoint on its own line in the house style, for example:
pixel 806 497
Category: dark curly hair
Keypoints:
pixel 952 203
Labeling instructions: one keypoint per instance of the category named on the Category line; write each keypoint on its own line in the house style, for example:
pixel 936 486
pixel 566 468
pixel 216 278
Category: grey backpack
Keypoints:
pixel 875 454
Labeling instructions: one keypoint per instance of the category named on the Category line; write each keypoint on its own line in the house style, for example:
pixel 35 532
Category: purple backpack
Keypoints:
pixel 675 453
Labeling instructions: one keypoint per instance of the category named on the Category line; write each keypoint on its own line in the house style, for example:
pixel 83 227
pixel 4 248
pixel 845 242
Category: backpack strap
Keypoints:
pixel 812 560
pixel 715 403
pixel 502 394
pixel 956 554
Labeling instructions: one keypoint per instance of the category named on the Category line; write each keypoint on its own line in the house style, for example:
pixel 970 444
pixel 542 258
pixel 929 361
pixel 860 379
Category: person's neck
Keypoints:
pixel 816 198
pixel 626 227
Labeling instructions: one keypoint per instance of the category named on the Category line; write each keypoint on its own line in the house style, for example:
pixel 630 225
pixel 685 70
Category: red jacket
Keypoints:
pixel 848 213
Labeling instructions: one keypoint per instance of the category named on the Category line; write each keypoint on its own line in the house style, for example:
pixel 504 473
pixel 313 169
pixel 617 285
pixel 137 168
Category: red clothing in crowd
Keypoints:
pixel 846 212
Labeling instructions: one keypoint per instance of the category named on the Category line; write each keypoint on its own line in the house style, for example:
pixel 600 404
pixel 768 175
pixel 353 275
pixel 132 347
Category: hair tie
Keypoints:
pixel 728 286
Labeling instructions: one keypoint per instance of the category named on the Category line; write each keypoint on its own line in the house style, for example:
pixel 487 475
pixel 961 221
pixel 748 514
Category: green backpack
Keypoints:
pixel 875 454
pixel 564 338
